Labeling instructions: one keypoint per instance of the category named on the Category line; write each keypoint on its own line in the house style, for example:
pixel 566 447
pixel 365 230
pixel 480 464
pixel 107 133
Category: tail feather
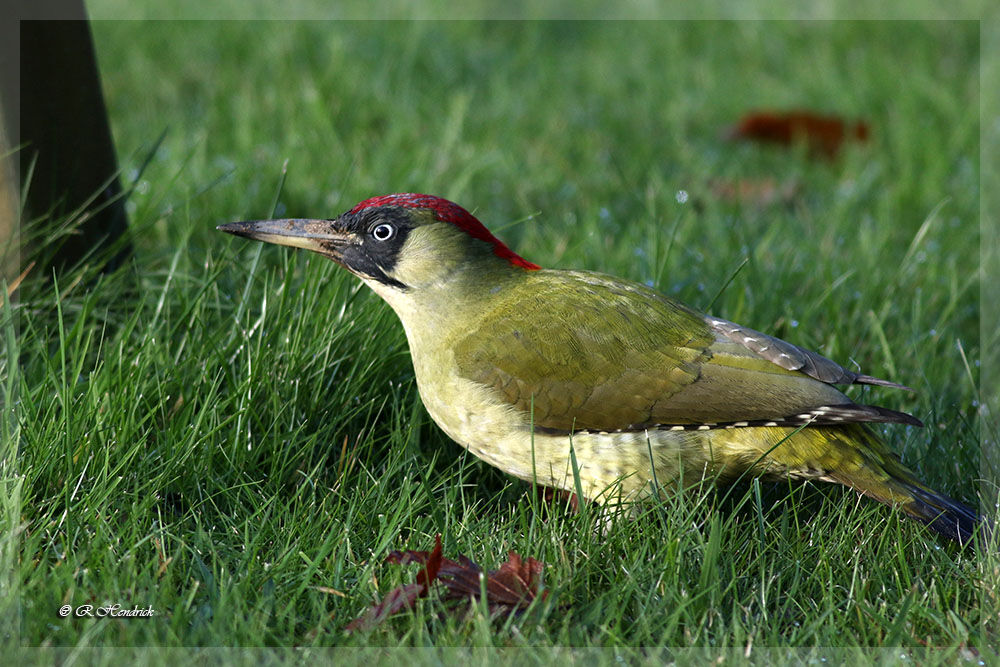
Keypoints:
pixel 854 456
pixel 942 514
pixel 945 516
pixel 889 481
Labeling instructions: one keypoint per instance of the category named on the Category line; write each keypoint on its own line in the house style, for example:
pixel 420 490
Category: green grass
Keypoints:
pixel 226 431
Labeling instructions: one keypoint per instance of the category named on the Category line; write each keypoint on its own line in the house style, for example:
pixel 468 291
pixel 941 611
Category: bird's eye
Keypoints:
pixel 383 231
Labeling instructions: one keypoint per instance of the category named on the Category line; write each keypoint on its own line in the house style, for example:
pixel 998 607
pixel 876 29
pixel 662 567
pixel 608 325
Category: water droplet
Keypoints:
pixel 681 196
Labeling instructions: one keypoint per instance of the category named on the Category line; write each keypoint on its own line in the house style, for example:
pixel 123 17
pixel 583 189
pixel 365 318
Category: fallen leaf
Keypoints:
pixel 515 584
pixel 822 134
pixel 402 597
pixel 509 589
pixel 395 601
pixel 755 192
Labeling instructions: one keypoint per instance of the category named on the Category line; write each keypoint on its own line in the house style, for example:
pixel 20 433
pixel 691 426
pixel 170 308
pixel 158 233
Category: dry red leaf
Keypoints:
pixel 395 601
pixel 516 583
pixel 461 578
pixel 402 597
pixel 755 192
pixel 508 589
pixel 822 134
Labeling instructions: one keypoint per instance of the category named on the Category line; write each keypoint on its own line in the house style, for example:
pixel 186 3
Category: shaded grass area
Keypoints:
pixel 231 434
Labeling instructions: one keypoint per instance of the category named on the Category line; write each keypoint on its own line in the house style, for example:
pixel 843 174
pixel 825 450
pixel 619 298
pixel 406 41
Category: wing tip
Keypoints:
pixel 853 413
pixel 868 379
pixel 897 417
pixel 793 357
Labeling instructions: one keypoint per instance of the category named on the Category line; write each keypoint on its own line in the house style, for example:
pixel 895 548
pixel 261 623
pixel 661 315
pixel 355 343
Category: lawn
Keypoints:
pixel 230 433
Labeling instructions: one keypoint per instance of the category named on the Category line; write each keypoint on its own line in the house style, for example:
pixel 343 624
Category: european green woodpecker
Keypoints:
pixel 522 365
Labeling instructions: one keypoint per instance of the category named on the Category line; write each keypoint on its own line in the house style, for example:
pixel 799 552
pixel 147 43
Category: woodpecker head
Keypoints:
pixel 393 242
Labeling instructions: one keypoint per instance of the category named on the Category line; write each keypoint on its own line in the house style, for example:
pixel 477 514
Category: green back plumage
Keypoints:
pixel 587 351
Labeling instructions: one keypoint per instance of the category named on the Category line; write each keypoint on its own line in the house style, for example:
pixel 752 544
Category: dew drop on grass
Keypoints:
pixel 681 196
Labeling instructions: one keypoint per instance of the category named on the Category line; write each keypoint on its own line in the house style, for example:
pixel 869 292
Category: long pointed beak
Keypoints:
pixel 320 236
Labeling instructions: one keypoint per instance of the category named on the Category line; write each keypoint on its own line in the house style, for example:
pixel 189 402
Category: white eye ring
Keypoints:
pixel 383 231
